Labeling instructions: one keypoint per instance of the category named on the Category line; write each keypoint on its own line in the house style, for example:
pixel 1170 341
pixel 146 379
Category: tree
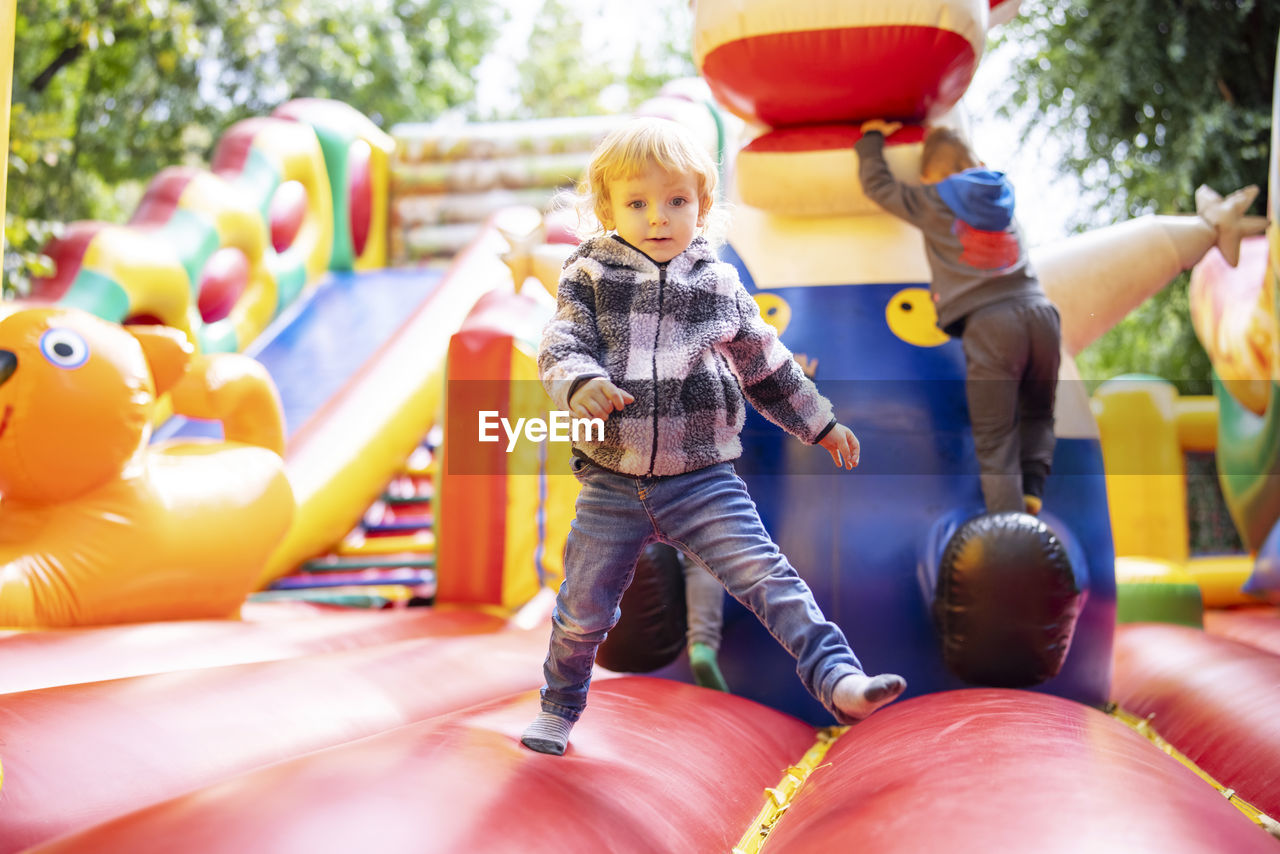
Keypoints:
pixel 1151 98
pixel 565 73
pixel 561 75
pixel 108 92
pixel 667 56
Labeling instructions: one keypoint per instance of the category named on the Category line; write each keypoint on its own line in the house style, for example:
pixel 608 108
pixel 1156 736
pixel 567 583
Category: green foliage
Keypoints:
pixel 1156 338
pixel 560 76
pixel 109 92
pixel 1150 98
pixel 668 57
pixel 566 74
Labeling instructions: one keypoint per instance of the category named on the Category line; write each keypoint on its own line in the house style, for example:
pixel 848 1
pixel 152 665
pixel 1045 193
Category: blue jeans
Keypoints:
pixel 708 515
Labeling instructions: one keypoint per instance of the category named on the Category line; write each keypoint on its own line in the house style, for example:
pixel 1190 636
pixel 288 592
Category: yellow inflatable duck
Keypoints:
pixel 99 526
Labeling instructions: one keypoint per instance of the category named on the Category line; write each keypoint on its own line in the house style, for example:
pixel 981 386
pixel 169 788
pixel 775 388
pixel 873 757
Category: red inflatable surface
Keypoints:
pixel 659 766
pixel 654 766
pixel 981 771
pixel 1214 699
pixel 1258 627
pixel 76 755
pixel 30 660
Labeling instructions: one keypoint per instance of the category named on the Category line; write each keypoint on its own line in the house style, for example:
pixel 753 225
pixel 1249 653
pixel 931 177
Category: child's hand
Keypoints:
pixel 881 126
pixel 843 446
pixel 597 397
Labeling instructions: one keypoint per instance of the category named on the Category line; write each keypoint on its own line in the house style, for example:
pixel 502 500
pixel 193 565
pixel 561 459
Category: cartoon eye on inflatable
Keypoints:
pixel 774 310
pixel 64 348
pixel 912 317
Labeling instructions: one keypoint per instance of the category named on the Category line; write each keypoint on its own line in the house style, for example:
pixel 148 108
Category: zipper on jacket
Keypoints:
pixel 657 333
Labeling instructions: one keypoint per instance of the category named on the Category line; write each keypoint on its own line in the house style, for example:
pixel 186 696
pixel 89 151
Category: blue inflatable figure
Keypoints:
pixel 872 545
pixel 901 553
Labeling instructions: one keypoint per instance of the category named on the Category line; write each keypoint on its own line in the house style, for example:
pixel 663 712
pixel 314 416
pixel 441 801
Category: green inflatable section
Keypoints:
pixel 336 145
pixel 1171 601
pixel 1248 460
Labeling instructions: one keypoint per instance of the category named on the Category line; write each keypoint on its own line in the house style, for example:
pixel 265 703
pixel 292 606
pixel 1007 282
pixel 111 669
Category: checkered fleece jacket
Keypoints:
pixel 686 340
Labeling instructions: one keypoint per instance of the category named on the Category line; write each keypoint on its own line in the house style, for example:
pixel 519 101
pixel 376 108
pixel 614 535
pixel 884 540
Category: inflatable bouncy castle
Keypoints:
pixel 895 554
pixel 340 447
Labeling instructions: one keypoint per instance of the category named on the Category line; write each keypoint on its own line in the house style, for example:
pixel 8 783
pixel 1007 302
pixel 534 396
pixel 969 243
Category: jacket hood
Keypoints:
pixel 982 198
pixel 616 252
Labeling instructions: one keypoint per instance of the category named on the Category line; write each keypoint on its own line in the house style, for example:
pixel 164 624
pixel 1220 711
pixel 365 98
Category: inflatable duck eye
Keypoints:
pixel 912 318
pixel 774 310
pixel 64 348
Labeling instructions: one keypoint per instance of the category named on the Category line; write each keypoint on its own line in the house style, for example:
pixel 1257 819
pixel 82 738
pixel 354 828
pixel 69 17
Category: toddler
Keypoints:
pixel 658 337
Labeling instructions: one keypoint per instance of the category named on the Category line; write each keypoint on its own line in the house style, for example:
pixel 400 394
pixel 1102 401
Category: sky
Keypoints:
pixel 1046 199
pixel 613 26
pixel 616 25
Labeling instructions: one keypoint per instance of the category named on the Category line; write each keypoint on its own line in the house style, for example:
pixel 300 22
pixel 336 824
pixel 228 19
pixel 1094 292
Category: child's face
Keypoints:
pixel 656 211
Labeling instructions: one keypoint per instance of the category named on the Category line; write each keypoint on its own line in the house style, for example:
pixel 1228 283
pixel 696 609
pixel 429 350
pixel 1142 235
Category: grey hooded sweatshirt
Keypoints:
pixel 972 241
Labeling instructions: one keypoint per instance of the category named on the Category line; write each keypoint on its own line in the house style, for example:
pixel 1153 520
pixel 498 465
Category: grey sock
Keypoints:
pixel 547 734
pixel 858 695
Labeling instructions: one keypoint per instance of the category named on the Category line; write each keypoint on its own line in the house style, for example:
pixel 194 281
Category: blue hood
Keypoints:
pixel 981 197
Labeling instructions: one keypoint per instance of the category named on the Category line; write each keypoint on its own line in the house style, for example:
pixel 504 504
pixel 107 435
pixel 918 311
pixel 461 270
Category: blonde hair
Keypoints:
pixel 946 151
pixel 629 150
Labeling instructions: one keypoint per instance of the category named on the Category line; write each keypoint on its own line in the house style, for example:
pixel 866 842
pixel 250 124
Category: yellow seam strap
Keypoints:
pixel 1144 728
pixel 778 798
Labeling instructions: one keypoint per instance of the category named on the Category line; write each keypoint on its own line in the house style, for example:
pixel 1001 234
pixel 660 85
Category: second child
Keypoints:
pixel 987 293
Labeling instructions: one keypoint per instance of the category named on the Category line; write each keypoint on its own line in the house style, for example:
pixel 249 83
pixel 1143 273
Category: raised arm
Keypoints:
pixel 907 201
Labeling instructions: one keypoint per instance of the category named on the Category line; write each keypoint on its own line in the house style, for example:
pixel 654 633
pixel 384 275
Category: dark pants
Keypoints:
pixel 1013 352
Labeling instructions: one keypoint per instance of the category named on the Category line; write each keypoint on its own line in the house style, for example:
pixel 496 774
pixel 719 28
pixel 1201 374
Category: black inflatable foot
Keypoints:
pixel 651 632
pixel 1006 601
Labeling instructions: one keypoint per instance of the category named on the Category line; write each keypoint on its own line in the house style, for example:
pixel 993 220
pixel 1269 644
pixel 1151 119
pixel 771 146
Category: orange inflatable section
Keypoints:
pixel 98 525
pixel 504 501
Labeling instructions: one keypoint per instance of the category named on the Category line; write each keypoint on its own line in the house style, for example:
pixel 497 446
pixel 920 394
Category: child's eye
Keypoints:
pixel 636 205
pixel 679 201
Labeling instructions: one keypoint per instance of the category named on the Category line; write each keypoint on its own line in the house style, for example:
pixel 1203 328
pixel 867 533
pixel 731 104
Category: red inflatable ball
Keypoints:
pixel 784 63
pixel 287 211
pixel 223 279
pixel 360 192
